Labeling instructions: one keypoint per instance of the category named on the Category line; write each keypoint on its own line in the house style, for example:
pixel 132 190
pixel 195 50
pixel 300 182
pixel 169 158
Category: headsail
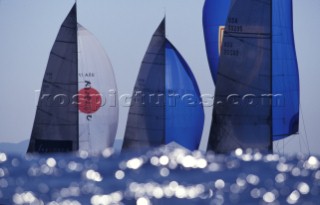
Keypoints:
pixel 285 80
pixel 242 113
pixel 184 112
pixel 158 115
pixel 77 108
pixel 55 126
pixel 215 13
pixel 98 106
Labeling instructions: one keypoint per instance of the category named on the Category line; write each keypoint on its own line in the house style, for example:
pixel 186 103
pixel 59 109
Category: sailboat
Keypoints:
pixel 166 104
pixel 251 53
pixel 75 110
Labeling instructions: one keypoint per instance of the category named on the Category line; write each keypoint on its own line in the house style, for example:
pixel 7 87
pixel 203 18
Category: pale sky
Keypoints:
pixel 28 29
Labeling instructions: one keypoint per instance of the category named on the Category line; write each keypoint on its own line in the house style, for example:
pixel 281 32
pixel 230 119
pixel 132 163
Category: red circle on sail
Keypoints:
pixel 89 100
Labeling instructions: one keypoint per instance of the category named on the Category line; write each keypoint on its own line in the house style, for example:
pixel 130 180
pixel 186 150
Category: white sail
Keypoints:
pixel 98 109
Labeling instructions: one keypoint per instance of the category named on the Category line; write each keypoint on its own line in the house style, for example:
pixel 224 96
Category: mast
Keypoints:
pixel 165 79
pixel 271 78
pixel 77 73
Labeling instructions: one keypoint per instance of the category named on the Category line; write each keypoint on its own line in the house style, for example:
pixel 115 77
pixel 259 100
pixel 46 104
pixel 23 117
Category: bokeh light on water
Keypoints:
pixel 159 176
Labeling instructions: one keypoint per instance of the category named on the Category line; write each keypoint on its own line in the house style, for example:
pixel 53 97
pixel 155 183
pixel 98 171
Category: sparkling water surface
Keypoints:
pixel 159 176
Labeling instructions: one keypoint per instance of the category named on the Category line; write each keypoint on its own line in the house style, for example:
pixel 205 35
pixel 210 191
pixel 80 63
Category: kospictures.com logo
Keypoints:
pixel 90 100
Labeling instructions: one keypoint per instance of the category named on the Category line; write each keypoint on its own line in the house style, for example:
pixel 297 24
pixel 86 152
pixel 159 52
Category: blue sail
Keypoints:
pixel 166 100
pixel 215 14
pixel 184 113
pixel 285 78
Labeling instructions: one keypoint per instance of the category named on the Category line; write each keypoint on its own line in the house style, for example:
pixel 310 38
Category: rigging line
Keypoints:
pixel 164 8
pixel 300 144
pixel 242 40
pixel 240 82
pixel 305 129
pixel 89 136
pixel 288 140
pixel 278 148
pixel 285 68
pixel 247 35
pixel 283 146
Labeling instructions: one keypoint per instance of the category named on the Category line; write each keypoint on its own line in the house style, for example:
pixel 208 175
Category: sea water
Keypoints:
pixel 159 176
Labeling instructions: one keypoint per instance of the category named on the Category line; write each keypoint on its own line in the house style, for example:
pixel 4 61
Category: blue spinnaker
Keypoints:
pixel 215 14
pixel 184 112
pixel 285 82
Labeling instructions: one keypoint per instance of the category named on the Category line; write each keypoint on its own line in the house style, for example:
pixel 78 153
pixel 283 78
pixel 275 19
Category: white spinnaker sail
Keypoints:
pixel 98 108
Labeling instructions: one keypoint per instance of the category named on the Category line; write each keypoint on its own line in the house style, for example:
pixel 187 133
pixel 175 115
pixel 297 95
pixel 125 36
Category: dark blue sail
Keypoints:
pixel 166 100
pixel 285 82
pixel 184 113
pixel 145 124
pixel 285 78
pixel 55 126
pixel 242 115
pixel 215 14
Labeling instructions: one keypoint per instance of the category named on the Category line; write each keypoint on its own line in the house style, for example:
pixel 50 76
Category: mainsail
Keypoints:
pixel 166 100
pixel 257 84
pixel 72 111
